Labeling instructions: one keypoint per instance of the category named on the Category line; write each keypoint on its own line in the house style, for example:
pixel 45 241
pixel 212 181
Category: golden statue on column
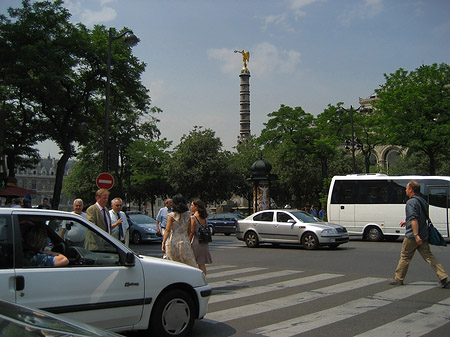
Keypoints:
pixel 245 57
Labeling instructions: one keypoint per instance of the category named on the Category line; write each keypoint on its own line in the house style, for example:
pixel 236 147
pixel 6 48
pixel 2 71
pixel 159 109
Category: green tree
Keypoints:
pixel 330 128
pixel 48 47
pixel 200 168
pixel 415 107
pixel 288 139
pixel 240 163
pixel 81 181
pixel 21 128
pixel 62 71
pixel 149 172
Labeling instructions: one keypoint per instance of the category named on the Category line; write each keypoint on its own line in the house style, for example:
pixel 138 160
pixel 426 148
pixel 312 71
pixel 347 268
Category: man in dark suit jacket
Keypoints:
pixel 98 214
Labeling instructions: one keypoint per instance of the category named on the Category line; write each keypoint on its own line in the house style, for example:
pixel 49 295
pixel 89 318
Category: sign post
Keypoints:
pixel 105 180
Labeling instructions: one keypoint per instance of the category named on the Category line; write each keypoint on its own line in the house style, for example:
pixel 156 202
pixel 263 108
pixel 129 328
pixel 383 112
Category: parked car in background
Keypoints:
pixel 105 284
pixel 18 320
pixel 142 228
pixel 223 222
pixel 289 226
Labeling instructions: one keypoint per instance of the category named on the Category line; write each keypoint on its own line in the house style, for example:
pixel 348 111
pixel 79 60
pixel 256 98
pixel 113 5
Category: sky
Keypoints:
pixel 303 53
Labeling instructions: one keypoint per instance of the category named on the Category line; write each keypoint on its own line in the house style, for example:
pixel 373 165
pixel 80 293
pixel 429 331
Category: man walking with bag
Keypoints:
pixel 416 238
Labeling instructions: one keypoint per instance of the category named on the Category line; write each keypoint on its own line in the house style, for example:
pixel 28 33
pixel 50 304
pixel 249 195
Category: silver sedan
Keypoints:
pixel 289 226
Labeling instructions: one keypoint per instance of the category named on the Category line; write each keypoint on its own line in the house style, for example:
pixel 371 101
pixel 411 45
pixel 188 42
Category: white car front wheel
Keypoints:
pixel 173 314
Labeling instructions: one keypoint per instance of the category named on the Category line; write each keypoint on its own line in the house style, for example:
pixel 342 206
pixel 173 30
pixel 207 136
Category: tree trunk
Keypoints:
pixel 11 163
pixel 60 169
pixel 432 167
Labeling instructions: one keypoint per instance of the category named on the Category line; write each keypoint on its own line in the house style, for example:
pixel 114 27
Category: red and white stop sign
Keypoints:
pixel 105 180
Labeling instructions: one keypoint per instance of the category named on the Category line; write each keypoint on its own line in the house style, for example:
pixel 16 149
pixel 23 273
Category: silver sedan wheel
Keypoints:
pixel 251 239
pixel 310 241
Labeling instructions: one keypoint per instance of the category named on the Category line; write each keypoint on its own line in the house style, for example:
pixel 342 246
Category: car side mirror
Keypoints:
pixel 129 259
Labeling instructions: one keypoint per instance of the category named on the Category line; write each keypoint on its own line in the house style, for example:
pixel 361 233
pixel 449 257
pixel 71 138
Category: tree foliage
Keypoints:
pixel 149 172
pixel 200 168
pixel 288 139
pixel 416 111
pixel 240 164
pixel 54 84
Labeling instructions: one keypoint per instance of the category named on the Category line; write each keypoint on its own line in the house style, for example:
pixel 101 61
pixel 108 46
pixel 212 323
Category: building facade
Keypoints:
pixel 41 179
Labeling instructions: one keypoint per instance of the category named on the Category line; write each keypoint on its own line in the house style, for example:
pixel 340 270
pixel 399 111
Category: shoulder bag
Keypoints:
pixel 204 234
pixel 434 237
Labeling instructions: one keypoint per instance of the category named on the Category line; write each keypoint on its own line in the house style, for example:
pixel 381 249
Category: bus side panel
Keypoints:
pixel 440 219
pixel 386 217
pixel 346 217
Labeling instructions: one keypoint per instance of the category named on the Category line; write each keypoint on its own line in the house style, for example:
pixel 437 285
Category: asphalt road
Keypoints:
pixel 289 291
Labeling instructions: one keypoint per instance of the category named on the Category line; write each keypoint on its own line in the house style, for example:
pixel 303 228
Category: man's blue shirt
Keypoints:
pixel 162 216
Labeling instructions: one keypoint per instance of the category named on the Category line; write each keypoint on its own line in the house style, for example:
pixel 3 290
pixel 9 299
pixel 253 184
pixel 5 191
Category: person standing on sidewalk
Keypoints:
pixel 416 238
pixel 161 218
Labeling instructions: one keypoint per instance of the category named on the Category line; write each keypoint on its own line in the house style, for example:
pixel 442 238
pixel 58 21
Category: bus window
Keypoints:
pixel 397 193
pixel 372 192
pixel 343 192
pixel 438 196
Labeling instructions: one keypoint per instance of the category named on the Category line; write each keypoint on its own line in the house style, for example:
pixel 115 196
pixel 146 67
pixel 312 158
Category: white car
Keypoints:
pixel 289 226
pixel 107 285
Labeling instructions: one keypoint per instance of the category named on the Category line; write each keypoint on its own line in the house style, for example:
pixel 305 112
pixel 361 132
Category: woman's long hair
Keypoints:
pixel 201 208
pixel 179 204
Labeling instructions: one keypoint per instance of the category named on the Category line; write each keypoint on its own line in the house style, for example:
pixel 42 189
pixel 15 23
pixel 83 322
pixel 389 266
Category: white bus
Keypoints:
pixel 373 205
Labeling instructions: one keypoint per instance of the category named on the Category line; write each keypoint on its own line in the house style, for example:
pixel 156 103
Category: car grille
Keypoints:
pixel 341 230
pixel 342 239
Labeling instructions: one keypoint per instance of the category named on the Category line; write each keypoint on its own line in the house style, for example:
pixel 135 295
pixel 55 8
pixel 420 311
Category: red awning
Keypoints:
pixel 15 191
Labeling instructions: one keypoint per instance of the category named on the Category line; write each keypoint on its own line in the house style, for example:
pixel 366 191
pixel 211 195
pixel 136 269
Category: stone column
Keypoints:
pixel 244 133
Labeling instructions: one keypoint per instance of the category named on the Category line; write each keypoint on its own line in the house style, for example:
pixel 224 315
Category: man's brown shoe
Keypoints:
pixel 445 283
pixel 395 282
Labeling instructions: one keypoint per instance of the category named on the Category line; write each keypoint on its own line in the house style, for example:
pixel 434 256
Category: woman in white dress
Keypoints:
pixel 176 244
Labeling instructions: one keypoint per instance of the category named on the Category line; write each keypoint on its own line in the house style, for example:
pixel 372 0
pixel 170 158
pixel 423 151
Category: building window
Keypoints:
pixel 373 160
pixel 392 157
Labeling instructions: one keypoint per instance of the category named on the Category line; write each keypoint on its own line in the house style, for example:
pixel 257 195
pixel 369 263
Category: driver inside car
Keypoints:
pixel 35 253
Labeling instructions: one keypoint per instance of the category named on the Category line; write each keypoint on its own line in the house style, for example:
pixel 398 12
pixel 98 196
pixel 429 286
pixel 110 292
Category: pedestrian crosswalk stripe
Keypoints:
pixel 270 287
pixel 319 319
pixel 218 267
pixel 252 278
pixel 415 324
pixel 234 272
pixel 283 302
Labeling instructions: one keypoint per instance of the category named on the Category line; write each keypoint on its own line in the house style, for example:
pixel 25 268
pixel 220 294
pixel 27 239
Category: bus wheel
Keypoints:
pixel 374 234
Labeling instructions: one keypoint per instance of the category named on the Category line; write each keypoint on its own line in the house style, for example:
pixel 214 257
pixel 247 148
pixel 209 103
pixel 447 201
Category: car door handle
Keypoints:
pixel 20 283
pixel 342 207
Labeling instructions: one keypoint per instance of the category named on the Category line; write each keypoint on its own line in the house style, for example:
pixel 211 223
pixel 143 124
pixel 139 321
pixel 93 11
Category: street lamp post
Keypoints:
pixel 354 142
pixel 131 40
